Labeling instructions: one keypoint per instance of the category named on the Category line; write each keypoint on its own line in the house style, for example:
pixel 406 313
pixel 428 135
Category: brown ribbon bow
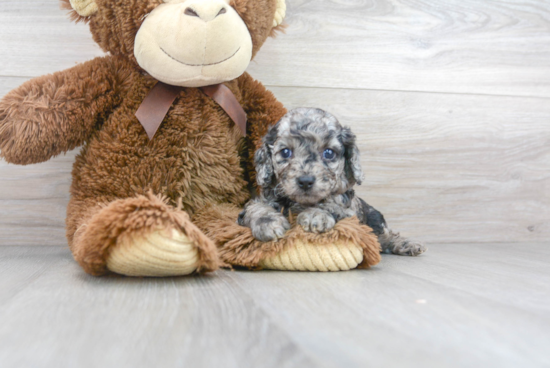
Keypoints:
pixel 158 101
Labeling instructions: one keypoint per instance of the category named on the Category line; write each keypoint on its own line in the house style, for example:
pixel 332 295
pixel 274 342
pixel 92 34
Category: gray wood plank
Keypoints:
pixel 511 274
pixel 456 306
pixel 460 305
pixel 56 316
pixel 465 46
pixel 33 201
pixel 37 37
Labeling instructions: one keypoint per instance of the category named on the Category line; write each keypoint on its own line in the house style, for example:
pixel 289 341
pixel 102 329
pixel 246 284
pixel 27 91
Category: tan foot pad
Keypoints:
pixel 304 256
pixel 154 255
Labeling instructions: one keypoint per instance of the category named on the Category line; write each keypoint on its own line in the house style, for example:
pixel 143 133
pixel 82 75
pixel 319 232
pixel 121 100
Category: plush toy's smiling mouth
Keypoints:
pixel 181 62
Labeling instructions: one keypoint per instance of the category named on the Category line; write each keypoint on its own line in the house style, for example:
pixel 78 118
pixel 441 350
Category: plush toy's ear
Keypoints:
pixel 353 169
pixel 82 8
pixel 280 13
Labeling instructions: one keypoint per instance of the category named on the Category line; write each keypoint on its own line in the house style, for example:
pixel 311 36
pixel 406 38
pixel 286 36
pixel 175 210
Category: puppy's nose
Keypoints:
pixel 306 182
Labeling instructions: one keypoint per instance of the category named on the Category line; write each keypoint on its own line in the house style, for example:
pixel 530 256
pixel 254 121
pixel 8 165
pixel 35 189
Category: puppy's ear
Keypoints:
pixel 264 166
pixel 264 163
pixel 353 170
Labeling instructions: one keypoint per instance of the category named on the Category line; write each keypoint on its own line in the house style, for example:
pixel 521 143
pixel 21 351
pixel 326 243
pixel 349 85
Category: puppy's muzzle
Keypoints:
pixel 306 182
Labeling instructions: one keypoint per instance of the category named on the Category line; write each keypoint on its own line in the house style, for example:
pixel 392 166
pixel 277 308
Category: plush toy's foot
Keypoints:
pixel 142 236
pixel 155 254
pixel 305 256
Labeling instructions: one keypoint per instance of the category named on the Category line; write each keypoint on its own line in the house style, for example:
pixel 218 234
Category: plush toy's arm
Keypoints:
pixel 55 113
pixel 263 110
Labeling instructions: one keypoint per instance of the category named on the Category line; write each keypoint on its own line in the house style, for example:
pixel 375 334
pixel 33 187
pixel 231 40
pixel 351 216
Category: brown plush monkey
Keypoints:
pixel 146 187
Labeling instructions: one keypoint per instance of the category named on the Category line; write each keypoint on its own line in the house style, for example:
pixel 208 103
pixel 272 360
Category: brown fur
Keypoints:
pixel 55 113
pixel 237 245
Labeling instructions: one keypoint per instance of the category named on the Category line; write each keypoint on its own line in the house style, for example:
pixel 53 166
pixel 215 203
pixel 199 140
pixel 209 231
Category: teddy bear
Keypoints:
pixel 168 122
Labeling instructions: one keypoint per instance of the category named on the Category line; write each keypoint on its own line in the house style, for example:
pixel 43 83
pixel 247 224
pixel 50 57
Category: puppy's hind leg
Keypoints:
pixel 390 241
pixel 393 242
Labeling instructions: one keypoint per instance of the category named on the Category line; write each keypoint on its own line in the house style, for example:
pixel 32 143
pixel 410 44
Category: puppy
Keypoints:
pixel 307 167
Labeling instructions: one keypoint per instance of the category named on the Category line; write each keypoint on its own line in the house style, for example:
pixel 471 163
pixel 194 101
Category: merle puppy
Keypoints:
pixel 307 167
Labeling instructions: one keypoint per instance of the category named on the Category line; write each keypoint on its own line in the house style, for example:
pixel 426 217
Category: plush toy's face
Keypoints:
pixel 188 43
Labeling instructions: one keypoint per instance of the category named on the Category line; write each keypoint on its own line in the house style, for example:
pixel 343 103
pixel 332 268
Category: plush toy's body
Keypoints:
pixel 139 206
pixel 195 157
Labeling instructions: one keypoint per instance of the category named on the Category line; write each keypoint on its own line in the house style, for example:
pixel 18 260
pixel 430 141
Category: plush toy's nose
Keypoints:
pixel 207 10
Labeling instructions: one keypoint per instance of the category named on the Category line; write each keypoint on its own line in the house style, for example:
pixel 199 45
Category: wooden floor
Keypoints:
pixel 450 100
pixel 460 305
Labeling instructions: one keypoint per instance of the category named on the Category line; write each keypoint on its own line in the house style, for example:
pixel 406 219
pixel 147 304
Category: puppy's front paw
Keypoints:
pixel 316 220
pixel 269 228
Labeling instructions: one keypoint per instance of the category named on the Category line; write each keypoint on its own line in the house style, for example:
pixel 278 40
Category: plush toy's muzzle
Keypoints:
pixel 193 43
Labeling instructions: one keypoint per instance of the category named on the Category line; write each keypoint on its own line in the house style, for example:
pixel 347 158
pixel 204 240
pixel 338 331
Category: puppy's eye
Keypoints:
pixel 329 154
pixel 286 153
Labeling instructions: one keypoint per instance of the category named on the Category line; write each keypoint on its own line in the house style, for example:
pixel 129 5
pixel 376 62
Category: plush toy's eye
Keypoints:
pixel 329 154
pixel 286 153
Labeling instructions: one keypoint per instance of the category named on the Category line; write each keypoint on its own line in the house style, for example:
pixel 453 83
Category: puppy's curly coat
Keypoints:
pixel 307 166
